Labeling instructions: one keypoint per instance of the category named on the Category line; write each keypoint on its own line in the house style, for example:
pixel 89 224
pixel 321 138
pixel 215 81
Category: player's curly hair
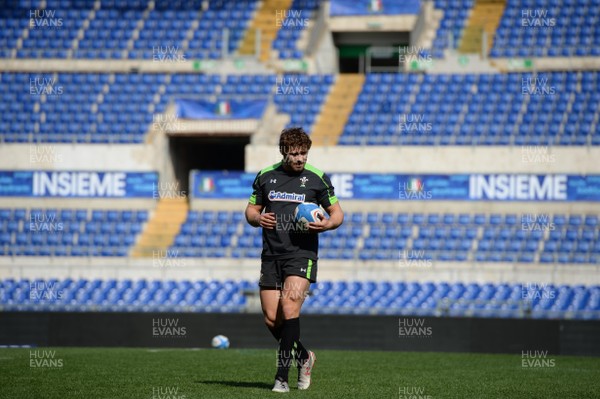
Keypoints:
pixel 293 137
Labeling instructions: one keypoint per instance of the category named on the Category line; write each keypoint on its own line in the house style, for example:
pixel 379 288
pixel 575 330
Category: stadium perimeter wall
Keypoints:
pixel 444 159
pixel 388 333
pixel 366 159
pixel 230 66
pixel 206 269
pixel 84 157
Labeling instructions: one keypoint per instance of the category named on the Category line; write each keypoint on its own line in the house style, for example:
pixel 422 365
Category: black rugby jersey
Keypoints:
pixel 280 192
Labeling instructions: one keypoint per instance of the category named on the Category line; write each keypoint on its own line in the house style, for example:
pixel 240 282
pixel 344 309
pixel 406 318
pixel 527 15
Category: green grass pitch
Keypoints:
pixel 60 373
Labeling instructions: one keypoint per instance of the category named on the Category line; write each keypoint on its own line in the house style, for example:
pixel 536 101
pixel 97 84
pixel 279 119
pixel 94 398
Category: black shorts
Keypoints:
pixel 274 272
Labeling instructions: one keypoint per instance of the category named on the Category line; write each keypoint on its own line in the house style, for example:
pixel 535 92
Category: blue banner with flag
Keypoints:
pixel 421 187
pixel 342 8
pixel 224 109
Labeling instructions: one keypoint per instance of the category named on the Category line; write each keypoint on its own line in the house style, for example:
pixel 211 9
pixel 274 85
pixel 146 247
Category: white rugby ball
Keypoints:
pixel 308 212
pixel 220 342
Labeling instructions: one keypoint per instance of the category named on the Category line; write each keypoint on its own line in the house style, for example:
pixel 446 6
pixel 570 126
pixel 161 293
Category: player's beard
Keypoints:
pixel 297 166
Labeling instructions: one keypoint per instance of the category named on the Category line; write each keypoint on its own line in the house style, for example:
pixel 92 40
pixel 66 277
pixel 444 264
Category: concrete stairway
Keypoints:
pixel 485 16
pixel 160 231
pixel 336 109
pixel 265 20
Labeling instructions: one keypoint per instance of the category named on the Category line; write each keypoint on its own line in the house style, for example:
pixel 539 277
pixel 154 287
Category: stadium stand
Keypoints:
pixel 207 39
pixel 449 33
pixel 293 23
pixel 548 29
pixel 48 112
pixel 559 108
pixel 69 232
pixel 121 30
pixel 397 237
pixel 553 108
pixel 343 297
pixel 402 237
pixel 119 108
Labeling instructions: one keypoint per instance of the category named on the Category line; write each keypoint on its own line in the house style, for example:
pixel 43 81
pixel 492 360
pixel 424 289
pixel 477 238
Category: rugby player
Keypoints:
pixel 289 255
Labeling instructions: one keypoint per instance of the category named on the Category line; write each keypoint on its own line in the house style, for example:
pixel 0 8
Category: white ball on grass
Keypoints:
pixel 220 342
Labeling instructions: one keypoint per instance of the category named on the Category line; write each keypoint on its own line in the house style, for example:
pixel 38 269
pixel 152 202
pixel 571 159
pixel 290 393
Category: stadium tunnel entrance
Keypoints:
pixel 205 153
pixel 361 52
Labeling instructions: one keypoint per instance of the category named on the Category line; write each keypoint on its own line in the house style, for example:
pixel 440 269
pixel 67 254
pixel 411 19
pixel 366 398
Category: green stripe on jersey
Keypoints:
pixel 269 168
pixel 332 199
pixel 316 171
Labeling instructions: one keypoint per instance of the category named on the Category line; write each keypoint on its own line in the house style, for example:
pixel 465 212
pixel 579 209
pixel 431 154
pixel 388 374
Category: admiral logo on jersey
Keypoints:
pixel 283 196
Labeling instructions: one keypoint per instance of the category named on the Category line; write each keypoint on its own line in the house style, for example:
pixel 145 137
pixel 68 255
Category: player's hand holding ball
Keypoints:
pixel 320 225
pixel 313 217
